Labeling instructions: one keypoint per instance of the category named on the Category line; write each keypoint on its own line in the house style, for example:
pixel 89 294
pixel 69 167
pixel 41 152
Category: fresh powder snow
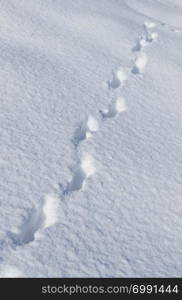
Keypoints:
pixel 91 138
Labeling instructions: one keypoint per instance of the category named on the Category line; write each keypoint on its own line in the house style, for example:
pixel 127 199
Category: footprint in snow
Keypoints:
pixel 83 170
pixel 150 35
pixel 118 77
pixel 36 220
pixel 115 108
pixel 85 130
pixel 140 44
pixel 146 38
pixel 140 63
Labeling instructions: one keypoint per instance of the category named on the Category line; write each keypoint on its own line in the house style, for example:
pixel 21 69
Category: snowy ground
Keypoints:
pixel 91 122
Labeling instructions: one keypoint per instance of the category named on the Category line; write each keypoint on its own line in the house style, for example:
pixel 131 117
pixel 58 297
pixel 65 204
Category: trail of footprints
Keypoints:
pixel 44 216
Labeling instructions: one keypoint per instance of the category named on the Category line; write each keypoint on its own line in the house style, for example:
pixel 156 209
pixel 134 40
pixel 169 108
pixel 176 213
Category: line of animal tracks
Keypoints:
pixel 45 215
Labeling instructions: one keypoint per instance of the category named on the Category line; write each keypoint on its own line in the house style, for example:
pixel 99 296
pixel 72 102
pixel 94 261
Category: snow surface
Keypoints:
pixel 91 122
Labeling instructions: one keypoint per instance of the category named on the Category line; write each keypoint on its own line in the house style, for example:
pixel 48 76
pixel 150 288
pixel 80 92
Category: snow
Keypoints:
pixel 114 108
pixel 90 113
pixel 140 63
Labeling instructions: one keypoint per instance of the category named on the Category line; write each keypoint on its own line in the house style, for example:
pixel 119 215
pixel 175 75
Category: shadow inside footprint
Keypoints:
pixel 79 135
pixel 83 170
pixel 137 47
pixel 114 108
pixel 110 113
pixel 118 77
pixel 114 83
pixel 135 70
pixel 85 130
pixel 77 181
pixel 27 231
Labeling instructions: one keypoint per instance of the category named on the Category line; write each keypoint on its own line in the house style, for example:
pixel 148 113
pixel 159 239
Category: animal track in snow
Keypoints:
pixel 140 63
pixel 140 44
pixel 150 35
pixel 115 108
pixel 146 38
pixel 83 170
pixel 85 130
pixel 118 77
pixel 36 220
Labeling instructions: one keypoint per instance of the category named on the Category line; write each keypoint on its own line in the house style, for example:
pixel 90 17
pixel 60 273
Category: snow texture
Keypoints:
pixel 91 122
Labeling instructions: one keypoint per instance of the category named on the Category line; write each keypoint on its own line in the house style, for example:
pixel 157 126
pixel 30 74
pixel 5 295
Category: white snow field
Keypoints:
pixel 91 138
